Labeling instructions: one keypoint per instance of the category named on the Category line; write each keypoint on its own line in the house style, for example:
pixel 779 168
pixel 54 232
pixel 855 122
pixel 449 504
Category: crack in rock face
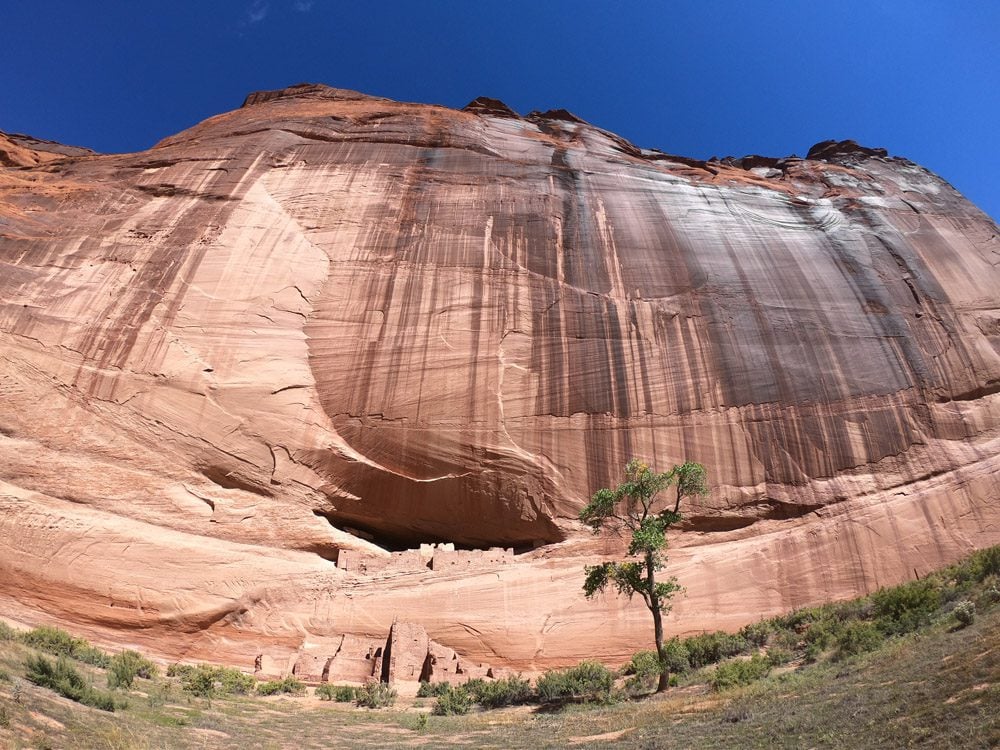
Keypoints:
pixel 252 375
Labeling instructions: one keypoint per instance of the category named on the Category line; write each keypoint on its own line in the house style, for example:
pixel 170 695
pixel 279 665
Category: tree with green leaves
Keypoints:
pixel 635 505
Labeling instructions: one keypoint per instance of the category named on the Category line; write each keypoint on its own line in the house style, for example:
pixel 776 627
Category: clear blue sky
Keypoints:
pixel 693 77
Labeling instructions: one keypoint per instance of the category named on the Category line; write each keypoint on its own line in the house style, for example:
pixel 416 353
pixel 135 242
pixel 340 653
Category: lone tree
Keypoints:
pixel 632 505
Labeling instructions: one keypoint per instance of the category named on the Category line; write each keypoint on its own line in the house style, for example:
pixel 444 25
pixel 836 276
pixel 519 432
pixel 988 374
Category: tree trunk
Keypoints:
pixel 654 607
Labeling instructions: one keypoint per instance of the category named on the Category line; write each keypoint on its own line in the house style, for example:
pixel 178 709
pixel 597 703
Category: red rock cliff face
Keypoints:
pixel 328 322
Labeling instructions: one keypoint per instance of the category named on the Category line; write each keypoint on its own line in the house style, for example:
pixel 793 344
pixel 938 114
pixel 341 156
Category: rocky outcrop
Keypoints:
pixel 328 327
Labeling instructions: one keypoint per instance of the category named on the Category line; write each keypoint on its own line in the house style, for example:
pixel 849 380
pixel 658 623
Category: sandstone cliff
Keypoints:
pixel 243 368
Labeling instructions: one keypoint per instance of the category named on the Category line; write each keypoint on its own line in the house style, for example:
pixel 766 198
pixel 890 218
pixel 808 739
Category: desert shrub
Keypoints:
pixel 126 666
pixel 61 643
pixel 709 648
pixel 432 689
pixel 676 656
pixel 857 638
pixel 756 634
pixel 777 656
pixel 178 670
pixel 455 701
pixel 63 678
pixel 588 680
pixel 510 691
pixel 7 633
pixel 375 695
pixel 337 693
pixel 905 608
pixel 235 682
pixel 979 565
pixel 822 634
pixel 643 671
pixel 965 613
pixel 4 718
pixel 4 675
pixel 799 618
pixel 289 685
pixel 740 672
pixel 198 680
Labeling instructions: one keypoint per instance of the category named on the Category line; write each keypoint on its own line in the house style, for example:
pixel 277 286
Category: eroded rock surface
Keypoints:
pixel 330 324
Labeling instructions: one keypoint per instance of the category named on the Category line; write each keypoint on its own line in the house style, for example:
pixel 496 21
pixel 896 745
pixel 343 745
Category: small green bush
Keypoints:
pixel 456 701
pixel 510 691
pixel 731 674
pixel 126 666
pixel 7 633
pixel 905 608
pixel 61 643
pixel 980 564
pixel 777 656
pixel 709 648
pixel 756 634
pixel 289 685
pixel 588 681
pixel 643 671
pixel 63 678
pixel 965 613
pixel 207 681
pixel 375 695
pixel 337 693
pixel 858 638
pixel 432 689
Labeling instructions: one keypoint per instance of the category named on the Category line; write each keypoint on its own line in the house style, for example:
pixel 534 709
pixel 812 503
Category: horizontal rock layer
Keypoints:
pixel 330 323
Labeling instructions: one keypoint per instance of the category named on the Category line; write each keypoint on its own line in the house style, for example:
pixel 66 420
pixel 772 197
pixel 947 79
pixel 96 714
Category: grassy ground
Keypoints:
pixel 938 687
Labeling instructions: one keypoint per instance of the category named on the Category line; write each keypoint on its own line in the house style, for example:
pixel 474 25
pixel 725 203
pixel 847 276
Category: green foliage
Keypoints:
pixel 126 666
pixel 632 505
pixel 61 643
pixel 709 648
pixel 375 695
pixel 740 672
pixel 857 638
pixel 905 608
pixel 509 691
pixel 777 656
pixel 7 633
pixel 337 693
pixel 455 701
pixel 979 565
pixel 965 613
pixel 587 681
pixel 289 685
pixel 756 634
pixel 62 677
pixel 207 681
pixel 644 671
pixel 432 690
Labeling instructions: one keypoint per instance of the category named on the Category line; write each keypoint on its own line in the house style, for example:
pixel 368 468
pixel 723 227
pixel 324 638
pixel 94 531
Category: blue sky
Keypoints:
pixel 692 77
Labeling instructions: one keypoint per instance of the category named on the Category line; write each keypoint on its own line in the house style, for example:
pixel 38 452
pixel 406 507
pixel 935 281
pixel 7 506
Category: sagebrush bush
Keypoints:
pixel 126 666
pixel 965 613
pixel 858 638
pixel 709 648
pixel 432 689
pixel 289 685
pixel 777 656
pixel 207 681
pixel 588 681
pixel 62 677
pixel 455 701
pixel 375 695
pixel 61 643
pixel 7 633
pixel 510 691
pixel 643 671
pixel 756 634
pixel 907 607
pixel 337 693
pixel 740 672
